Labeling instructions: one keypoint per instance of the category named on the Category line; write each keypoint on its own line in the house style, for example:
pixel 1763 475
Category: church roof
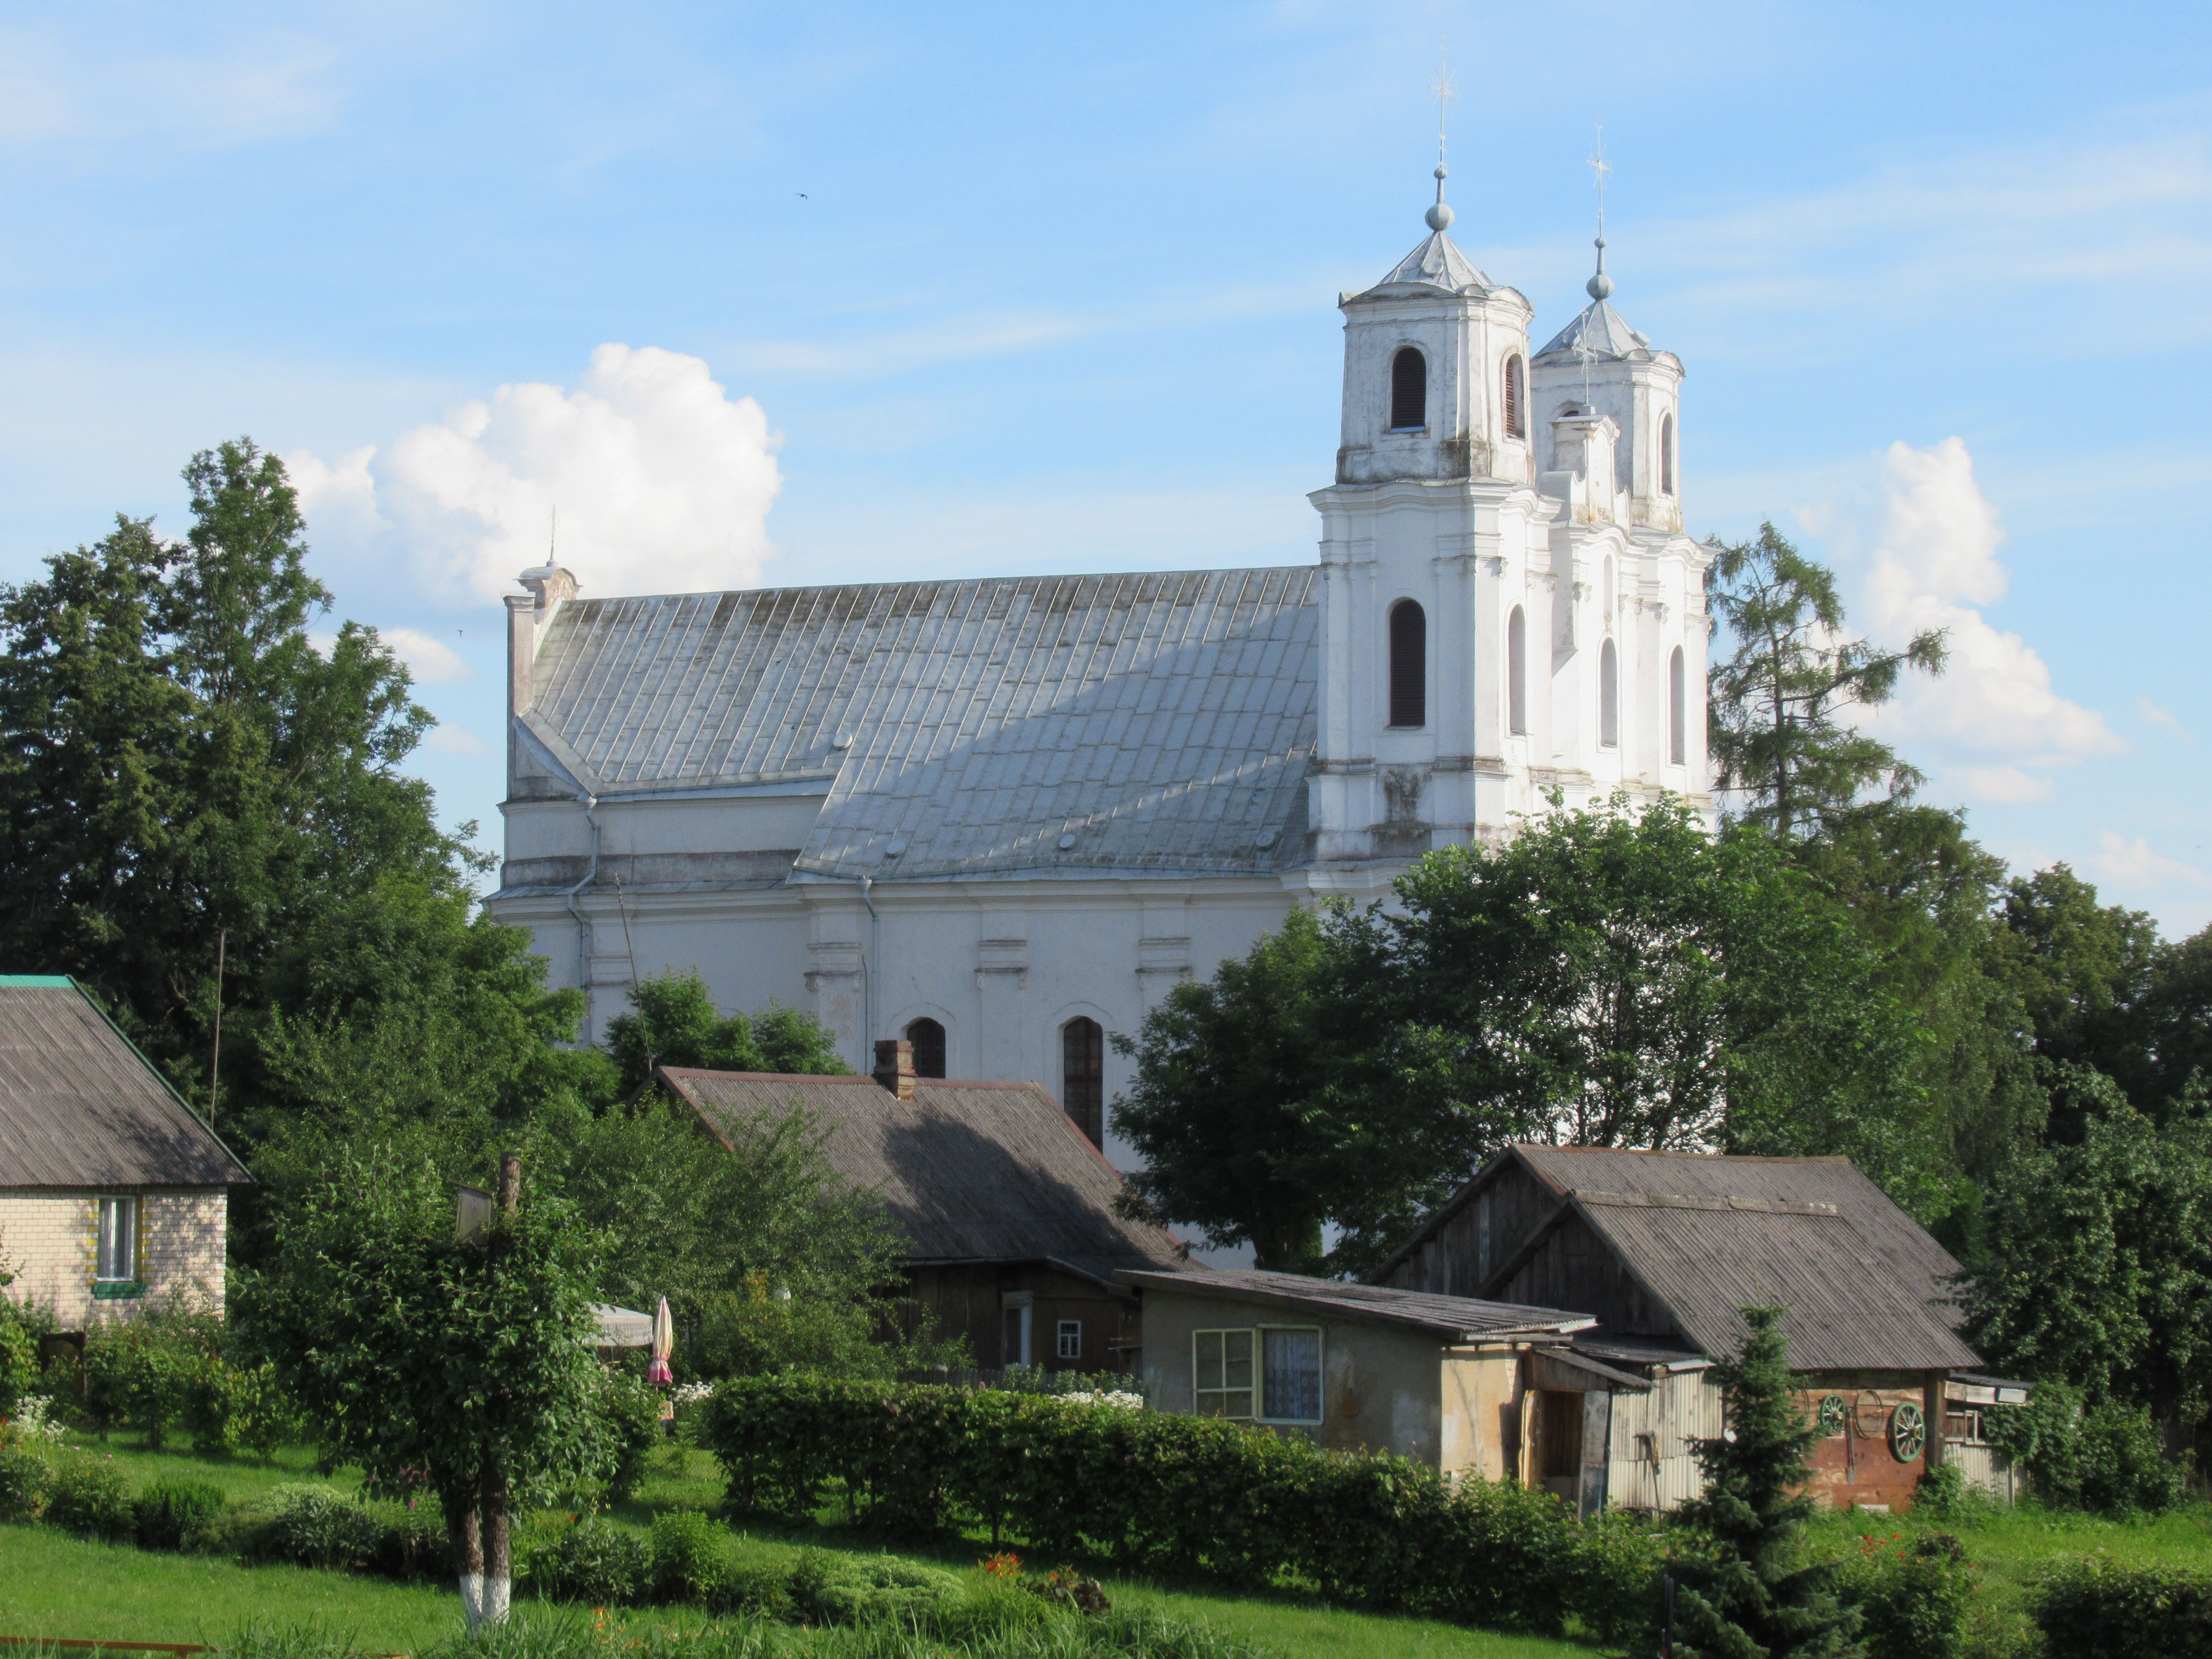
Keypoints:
pixel 1436 262
pixel 1603 330
pixel 1156 723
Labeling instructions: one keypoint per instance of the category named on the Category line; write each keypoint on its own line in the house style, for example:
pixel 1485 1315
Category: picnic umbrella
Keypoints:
pixel 664 1344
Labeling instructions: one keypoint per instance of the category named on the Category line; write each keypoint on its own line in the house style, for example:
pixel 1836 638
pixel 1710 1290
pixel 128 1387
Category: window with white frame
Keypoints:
pixel 1270 1373
pixel 1070 1339
pixel 117 1257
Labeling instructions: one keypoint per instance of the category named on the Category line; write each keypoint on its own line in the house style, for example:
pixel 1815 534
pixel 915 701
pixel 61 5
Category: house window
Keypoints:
pixel 928 1039
pixel 1409 664
pixel 1082 1075
pixel 1070 1339
pixel 1014 1335
pixel 117 1257
pixel 1515 427
pixel 1678 732
pixel 1608 697
pixel 1272 1374
pixel 1516 672
pixel 1290 1376
pixel 1222 1373
pixel 1409 390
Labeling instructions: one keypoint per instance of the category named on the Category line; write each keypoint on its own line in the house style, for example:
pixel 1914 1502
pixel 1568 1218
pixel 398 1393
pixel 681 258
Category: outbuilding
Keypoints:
pixel 114 1193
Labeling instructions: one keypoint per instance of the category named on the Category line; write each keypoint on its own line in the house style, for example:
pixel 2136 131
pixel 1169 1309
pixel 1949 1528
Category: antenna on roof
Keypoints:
pixel 1440 215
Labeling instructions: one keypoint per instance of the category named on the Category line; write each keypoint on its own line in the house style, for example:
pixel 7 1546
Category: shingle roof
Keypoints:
pixel 80 1107
pixel 1164 721
pixel 1455 1318
pixel 969 1171
pixel 1865 1283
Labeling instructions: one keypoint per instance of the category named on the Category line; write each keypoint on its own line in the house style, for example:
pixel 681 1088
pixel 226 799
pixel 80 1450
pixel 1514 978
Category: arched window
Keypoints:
pixel 1516 672
pixel 1667 455
pixel 1678 733
pixel 1082 1076
pixel 1409 664
pixel 1515 426
pixel 1608 697
pixel 1409 390
pixel 928 1039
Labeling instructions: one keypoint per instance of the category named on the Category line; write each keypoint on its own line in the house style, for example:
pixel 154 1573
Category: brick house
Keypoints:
pixel 114 1194
pixel 1006 1207
pixel 1663 1249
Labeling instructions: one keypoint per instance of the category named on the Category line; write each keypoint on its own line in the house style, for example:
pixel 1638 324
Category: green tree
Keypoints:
pixel 675 1023
pixel 2100 1273
pixel 2082 971
pixel 412 1351
pixel 1777 706
pixel 1757 1595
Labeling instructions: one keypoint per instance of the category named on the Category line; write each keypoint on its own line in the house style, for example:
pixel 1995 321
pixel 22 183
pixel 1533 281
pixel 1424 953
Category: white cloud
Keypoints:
pixel 432 662
pixel 2005 784
pixel 1934 564
pixel 2152 714
pixel 663 484
pixel 2132 863
pixel 454 740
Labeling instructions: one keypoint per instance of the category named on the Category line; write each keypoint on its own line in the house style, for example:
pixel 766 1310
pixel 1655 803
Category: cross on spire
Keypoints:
pixel 1600 285
pixel 1439 215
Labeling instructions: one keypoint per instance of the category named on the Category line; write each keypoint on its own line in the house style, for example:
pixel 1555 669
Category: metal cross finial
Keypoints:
pixel 1600 285
pixel 1440 215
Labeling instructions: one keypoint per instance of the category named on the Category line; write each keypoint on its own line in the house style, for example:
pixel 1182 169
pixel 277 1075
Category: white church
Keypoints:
pixel 1001 817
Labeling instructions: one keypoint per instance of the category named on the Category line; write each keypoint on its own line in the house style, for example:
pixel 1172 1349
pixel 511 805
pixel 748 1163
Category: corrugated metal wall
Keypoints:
pixel 1652 1453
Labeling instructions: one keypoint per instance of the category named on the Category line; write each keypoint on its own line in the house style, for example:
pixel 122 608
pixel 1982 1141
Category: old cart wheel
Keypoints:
pixel 1834 1415
pixel 1908 1433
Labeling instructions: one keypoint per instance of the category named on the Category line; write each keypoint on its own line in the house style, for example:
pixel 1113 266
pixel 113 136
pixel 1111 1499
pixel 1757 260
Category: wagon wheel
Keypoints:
pixel 1908 1433
pixel 1834 1414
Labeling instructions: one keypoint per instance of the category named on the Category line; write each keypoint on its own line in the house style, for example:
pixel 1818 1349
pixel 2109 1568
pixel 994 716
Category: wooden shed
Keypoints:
pixel 1006 1207
pixel 1663 1249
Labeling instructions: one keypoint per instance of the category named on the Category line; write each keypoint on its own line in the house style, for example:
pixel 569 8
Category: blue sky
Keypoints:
pixel 844 292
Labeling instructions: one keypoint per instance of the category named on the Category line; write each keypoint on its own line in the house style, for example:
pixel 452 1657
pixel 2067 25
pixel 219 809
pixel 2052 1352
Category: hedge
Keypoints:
pixel 2100 1609
pixel 1190 1496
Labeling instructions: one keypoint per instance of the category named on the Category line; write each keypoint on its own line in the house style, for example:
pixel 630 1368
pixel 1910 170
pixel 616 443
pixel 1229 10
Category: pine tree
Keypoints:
pixel 1757 1596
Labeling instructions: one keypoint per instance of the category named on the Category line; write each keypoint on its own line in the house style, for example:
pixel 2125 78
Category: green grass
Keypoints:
pixel 51 1585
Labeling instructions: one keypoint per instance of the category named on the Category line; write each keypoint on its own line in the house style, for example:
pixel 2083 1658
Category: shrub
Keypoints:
pixel 1914 1596
pixel 594 1562
pixel 25 1477
pixel 845 1589
pixel 317 1527
pixel 760 1589
pixel 1609 1574
pixel 263 1416
pixel 2098 1608
pixel 89 1498
pixel 173 1515
pixel 133 1378
pixel 685 1558
pixel 411 1543
pixel 2106 1457
pixel 628 1409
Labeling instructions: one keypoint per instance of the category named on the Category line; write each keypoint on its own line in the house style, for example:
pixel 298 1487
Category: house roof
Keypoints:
pixel 81 1107
pixel 1158 723
pixel 1438 263
pixel 1864 1285
pixel 970 1172
pixel 1453 1318
pixel 1600 329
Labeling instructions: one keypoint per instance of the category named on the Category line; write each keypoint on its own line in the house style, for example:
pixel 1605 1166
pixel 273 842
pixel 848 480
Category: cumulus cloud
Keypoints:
pixel 1993 712
pixel 454 740
pixel 2154 715
pixel 662 481
pixel 2127 863
pixel 432 662
pixel 2005 785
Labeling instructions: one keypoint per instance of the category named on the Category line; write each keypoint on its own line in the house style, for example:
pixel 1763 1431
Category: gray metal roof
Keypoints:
pixel 1603 330
pixel 1436 262
pixel 1164 721
pixel 969 1171
pixel 80 1107
pixel 1455 1318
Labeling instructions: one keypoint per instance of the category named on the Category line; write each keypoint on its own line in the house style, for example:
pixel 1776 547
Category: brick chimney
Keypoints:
pixel 895 1066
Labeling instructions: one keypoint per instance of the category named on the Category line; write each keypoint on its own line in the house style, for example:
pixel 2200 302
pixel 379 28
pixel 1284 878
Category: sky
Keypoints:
pixel 750 295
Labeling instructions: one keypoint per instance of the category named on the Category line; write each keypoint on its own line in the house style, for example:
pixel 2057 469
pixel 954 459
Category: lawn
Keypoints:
pixel 51 1585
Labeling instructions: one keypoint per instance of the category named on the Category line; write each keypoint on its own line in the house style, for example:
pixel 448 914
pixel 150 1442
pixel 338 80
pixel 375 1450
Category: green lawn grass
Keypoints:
pixel 52 1585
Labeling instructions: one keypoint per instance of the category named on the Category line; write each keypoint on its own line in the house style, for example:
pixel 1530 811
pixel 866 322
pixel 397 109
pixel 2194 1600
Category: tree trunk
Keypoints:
pixel 465 1526
pixel 498 1548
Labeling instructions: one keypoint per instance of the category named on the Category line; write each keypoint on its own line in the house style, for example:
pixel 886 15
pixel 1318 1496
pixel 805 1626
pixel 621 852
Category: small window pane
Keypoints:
pixel 1070 1339
pixel 118 1257
pixel 1222 1371
pixel 1290 1375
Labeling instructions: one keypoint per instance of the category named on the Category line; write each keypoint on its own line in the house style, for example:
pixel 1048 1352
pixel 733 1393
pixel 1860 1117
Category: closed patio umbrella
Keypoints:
pixel 664 1344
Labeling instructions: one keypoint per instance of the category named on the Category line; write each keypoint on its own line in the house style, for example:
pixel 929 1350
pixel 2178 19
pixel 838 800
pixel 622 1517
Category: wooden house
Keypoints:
pixel 1006 1207
pixel 1662 1249
pixel 115 1193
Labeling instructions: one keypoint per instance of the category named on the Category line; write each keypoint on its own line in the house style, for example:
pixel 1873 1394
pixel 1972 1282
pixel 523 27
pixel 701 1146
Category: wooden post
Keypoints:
pixel 510 1182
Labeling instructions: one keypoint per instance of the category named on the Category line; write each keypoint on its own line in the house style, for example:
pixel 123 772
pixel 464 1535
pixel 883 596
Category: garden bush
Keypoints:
pixel 2100 1608
pixel 174 1515
pixel 828 1588
pixel 134 1378
pixel 1154 1492
pixel 24 1475
pixel 628 1408
pixel 312 1526
pixel 89 1498
pixel 686 1557
pixel 411 1543
pixel 2106 1457
pixel 594 1562
pixel 1914 1596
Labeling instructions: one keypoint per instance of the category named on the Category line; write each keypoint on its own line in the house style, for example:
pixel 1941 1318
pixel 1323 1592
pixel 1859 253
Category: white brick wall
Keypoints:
pixel 48 1237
